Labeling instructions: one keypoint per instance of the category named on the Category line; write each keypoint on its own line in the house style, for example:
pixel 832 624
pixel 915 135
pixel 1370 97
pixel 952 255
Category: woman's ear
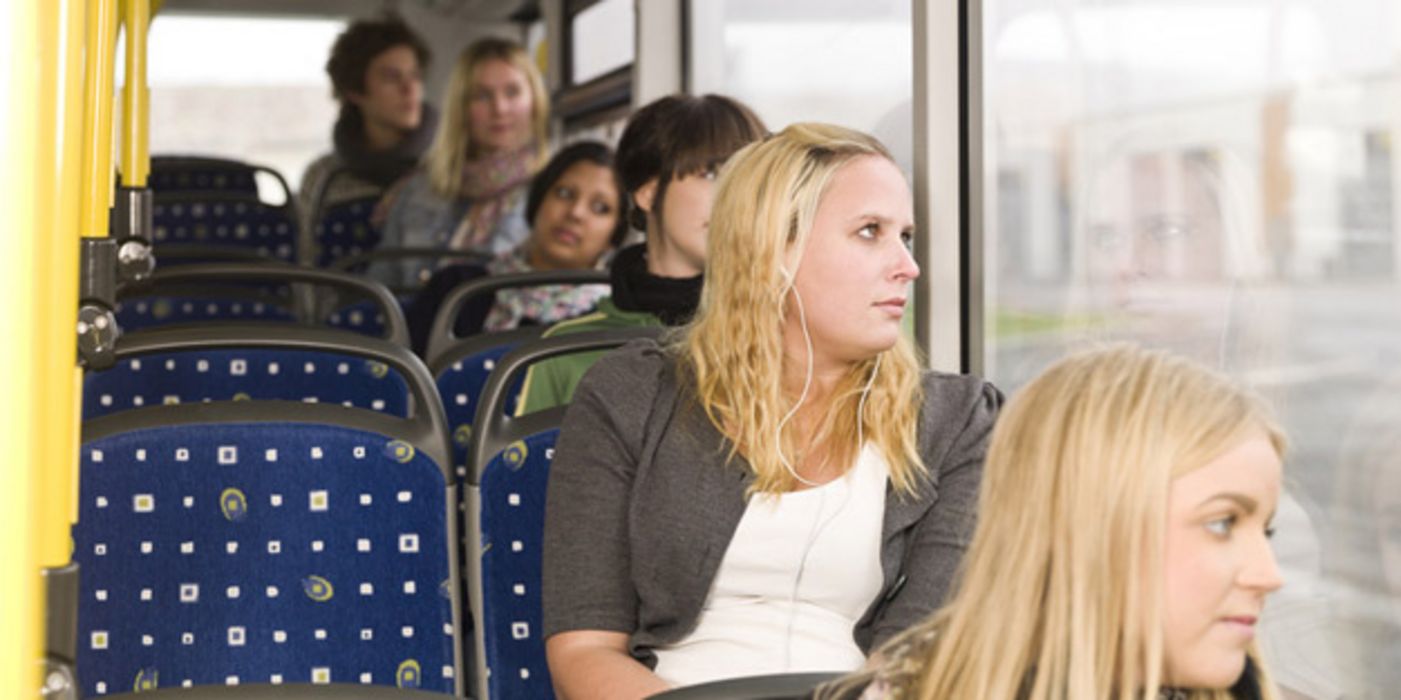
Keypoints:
pixel 645 196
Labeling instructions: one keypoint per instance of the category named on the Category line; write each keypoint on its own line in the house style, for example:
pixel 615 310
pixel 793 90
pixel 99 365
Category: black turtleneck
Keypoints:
pixel 381 168
pixel 1247 687
pixel 673 300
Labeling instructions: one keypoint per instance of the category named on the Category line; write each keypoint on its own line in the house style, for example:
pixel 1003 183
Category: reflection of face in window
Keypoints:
pixel 1161 225
pixel 1157 248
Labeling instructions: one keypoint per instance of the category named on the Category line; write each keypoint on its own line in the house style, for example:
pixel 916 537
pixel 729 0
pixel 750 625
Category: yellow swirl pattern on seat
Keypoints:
pixel 400 451
pixel 233 504
pixel 409 674
pixel 318 588
pixel 516 454
pixel 146 679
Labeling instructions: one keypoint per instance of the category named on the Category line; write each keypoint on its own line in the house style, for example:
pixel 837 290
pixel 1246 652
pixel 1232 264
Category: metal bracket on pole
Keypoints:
pixel 97 299
pixel 132 227
pixel 61 627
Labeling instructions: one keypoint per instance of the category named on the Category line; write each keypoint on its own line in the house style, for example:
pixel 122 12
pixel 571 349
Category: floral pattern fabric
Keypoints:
pixel 542 305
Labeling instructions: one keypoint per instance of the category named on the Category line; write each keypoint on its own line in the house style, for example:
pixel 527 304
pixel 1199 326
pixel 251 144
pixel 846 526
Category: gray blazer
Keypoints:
pixel 641 505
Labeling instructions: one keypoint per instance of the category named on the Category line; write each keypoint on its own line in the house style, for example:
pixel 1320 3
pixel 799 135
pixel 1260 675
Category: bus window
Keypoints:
pixel 841 62
pixel 253 89
pixel 1221 180
pixel 601 40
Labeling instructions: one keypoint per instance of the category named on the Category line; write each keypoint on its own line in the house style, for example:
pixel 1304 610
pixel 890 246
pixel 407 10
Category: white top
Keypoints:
pixel 800 571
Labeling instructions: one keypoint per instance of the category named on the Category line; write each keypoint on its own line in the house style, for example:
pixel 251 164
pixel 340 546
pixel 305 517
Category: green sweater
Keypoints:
pixel 551 382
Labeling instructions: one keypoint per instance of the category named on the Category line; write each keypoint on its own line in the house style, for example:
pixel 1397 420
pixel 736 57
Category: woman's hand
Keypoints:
pixel 594 664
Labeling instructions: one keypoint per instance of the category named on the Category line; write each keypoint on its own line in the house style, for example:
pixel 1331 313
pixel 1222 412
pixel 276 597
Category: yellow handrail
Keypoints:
pixel 38 194
pixel 136 102
pixel 58 404
pixel 57 184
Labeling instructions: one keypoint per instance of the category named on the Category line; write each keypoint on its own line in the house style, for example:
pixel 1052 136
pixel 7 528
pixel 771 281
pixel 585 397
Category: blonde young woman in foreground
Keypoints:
pixel 1122 549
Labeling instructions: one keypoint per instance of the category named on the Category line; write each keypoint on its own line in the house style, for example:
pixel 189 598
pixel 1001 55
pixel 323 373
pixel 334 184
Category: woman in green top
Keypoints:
pixel 667 160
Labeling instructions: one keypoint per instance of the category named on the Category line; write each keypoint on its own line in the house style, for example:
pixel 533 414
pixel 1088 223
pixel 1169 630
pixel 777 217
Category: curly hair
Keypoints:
pixel 361 43
pixel 765 203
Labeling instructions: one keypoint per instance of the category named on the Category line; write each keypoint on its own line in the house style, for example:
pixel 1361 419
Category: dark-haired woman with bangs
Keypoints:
pixel 668 158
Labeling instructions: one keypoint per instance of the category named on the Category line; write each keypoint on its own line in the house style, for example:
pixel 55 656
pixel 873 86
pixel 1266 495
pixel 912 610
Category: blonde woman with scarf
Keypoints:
pixel 469 195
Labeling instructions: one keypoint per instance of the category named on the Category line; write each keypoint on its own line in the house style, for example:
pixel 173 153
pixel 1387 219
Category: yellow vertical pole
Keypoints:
pixel 84 157
pixel 58 404
pixel 30 33
pixel 97 120
pixel 136 103
pixel 72 74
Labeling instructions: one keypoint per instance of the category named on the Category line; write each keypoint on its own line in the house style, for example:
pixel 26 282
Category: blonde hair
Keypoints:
pixel 452 145
pixel 765 203
pixel 1075 491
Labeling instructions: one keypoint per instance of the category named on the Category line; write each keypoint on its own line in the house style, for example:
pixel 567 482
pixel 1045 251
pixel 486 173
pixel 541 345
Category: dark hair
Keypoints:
pixel 361 43
pixel 593 152
pixel 681 135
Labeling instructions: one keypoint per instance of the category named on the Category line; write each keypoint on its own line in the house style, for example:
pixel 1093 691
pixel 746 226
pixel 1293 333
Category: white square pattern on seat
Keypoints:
pixel 255 555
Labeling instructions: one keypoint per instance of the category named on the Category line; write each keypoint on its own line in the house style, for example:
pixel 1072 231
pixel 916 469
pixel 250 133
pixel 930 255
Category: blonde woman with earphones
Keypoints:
pixel 778 487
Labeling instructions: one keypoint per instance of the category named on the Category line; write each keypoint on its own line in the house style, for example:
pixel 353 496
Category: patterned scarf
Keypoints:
pixel 539 305
pixel 491 183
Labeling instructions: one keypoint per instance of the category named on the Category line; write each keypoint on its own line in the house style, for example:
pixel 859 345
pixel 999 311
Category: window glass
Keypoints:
pixel 536 43
pixel 601 39
pixel 1220 179
pixel 837 61
pixel 251 89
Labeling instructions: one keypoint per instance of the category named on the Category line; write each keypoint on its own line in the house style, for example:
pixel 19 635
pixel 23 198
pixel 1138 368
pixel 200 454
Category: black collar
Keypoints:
pixel 673 300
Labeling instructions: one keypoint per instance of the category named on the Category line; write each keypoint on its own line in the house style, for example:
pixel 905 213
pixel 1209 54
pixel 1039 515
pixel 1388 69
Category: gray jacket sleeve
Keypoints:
pixel 955 426
pixel 587 563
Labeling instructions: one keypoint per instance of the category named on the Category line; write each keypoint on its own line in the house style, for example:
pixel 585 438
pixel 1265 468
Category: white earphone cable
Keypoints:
pixel 807 385
pixel 819 524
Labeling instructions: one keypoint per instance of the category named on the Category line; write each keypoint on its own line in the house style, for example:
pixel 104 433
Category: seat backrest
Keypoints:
pixel 250 550
pixel 232 291
pixel 177 174
pixel 253 362
pixel 462 373
pixel 344 228
pixel 409 268
pixel 442 336
pixel 208 174
pixel 509 461
pixel 268 542
pixel 215 220
pixel 185 304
